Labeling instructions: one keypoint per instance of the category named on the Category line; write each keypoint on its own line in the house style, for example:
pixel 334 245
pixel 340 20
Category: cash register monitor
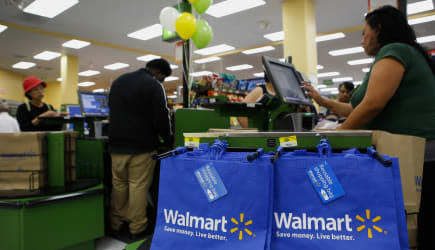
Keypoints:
pixel 285 80
pixel 93 104
pixel 74 110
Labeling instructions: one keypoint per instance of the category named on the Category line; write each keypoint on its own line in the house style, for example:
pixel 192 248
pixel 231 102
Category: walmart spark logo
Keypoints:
pixel 239 225
pixel 369 230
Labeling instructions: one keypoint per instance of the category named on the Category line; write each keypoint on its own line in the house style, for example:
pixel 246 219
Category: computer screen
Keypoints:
pixel 93 104
pixel 285 80
pixel 74 110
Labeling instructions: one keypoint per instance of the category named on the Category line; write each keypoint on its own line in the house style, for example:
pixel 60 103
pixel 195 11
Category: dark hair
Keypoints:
pixel 28 95
pixel 266 78
pixel 160 64
pixel 348 85
pixel 393 27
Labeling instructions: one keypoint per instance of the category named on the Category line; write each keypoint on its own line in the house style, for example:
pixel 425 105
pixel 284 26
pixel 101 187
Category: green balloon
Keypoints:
pixel 203 34
pixel 201 6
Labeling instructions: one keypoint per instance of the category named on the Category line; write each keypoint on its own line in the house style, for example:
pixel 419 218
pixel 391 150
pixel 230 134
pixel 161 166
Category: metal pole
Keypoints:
pixel 186 67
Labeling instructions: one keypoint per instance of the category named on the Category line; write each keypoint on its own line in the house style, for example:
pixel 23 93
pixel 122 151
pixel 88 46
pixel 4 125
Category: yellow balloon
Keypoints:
pixel 193 1
pixel 185 25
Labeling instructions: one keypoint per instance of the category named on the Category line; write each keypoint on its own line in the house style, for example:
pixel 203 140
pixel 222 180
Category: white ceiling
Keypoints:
pixel 109 21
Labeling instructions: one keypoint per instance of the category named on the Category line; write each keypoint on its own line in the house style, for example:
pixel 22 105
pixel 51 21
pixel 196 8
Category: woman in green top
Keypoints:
pixel 398 93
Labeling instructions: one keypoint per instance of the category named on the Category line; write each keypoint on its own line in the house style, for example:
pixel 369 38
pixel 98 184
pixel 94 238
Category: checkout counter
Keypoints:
pixel 69 212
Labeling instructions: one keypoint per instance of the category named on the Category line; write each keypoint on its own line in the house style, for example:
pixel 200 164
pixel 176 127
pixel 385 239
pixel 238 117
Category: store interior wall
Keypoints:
pixel 11 86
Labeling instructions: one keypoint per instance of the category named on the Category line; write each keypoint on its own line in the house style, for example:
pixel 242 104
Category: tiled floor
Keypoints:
pixel 108 243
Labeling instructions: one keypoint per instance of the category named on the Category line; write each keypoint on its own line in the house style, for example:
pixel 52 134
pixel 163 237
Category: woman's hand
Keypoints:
pixel 49 113
pixel 311 91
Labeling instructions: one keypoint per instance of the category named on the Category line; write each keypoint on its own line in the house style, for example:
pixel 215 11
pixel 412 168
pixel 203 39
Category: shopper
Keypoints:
pixel 255 95
pixel 398 93
pixel 28 113
pixel 138 116
pixel 8 124
pixel 344 94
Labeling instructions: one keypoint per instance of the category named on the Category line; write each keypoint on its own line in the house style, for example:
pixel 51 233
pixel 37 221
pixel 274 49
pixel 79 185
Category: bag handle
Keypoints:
pixel 373 153
pixel 176 151
pixel 256 155
pixel 324 148
pixel 218 149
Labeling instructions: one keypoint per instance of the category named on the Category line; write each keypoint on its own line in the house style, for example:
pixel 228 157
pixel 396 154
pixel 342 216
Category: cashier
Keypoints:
pixel 255 95
pixel 29 113
pixel 398 93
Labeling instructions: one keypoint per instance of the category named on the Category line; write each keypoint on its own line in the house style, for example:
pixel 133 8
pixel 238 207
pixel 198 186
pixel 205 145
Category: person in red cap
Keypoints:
pixel 28 113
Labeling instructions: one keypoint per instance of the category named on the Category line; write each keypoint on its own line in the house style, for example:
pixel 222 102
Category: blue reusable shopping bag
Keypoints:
pixel 369 216
pixel 241 219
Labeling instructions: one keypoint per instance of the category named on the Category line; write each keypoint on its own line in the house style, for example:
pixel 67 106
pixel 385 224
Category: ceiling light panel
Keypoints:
pixel 47 55
pixel 275 37
pixel 214 50
pixel 342 79
pixel 98 90
pixel 59 79
pixel 171 78
pixel 116 66
pixel 147 58
pixel 147 33
pixel 347 51
pixel 76 44
pixel 3 28
pixel 206 60
pixel 320 67
pixel 261 74
pixel 426 39
pixel 425 19
pixel 200 73
pixel 327 89
pixel 360 61
pixel 357 82
pixel 421 6
pixel 258 50
pixel 330 37
pixel 365 70
pixel 328 74
pixel 89 73
pixel 239 67
pixel 229 7
pixel 49 8
pixel 321 86
pixel 173 66
pixel 23 65
pixel 86 84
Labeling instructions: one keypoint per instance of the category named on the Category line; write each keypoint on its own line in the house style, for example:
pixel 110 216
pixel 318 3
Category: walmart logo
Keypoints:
pixel 368 218
pixel 241 227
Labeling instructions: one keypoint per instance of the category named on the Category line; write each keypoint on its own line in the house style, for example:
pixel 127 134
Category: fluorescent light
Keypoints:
pixel 23 65
pixel 327 89
pixel 275 37
pixel 360 61
pixel 365 70
pixel 98 90
pixel 320 67
pixel 282 59
pixel 147 58
pixel 86 84
pixel 3 28
pixel 59 79
pixel 171 78
pixel 200 73
pixel 49 8
pixel 116 66
pixel 330 37
pixel 172 96
pixel 342 79
pixel 89 73
pixel 206 60
pixel 334 92
pixel 425 19
pixel 357 83
pixel 47 55
pixel 214 50
pixel 417 7
pixel 229 7
pixel 75 44
pixel 173 66
pixel 426 39
pixel 327 74
pixel 258 50
pixel 147 33
pixel 261 74
pixel 347 51
pixel 239 67
pixel 321 86
pixel 175 92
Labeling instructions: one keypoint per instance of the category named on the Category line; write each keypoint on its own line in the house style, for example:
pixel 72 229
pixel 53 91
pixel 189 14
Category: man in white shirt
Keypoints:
pixel 8 124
